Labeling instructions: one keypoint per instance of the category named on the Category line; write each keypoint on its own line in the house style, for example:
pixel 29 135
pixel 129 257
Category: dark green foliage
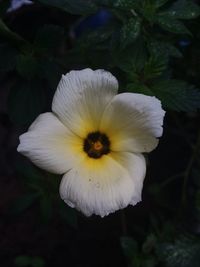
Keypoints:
pixel 81 7
pixel 177 95
pixel 184 252
pixel 8 55
pixel 174 94
pixel 171 25
pixel 163 49
pixel 130 31
pixel 26 101
pixel 139 256
pixel 184 9
pixel 27 261
pixel 48 39
pixel 26 66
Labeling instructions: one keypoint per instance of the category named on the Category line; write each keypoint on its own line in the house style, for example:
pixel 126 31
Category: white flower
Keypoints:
pixel 95 138
pixel 16 4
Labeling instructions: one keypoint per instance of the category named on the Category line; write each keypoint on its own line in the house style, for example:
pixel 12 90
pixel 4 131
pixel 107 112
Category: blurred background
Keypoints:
pixel 152 47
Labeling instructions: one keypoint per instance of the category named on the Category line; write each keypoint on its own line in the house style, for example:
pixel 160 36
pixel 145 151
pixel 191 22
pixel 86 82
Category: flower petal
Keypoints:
pixel 133 122
pixel 50 145
pixel 103 186
pixel 81 98
pixel 135 164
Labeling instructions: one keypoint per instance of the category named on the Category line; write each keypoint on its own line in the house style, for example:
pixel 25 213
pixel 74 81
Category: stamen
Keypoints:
pixel 98 145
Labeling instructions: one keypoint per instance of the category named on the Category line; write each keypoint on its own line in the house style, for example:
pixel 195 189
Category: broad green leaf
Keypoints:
pixel 49 39
pixel 172 25
pixel 8 55
pixel 163 49
pixel 177 95
pixel 184 9
pixel 131 59
pixel 27 66
pixel 148 10
pixel 139 88
pixel 95 39
pixel 26 101
pixel 154 67
pixel 80 7
pixel 174 94
pixel 130 31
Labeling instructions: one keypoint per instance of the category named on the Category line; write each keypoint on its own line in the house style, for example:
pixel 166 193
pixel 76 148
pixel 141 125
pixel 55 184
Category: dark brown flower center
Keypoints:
pixel 96 145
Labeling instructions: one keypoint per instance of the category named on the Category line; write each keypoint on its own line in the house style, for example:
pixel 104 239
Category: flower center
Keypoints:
pixel 96 144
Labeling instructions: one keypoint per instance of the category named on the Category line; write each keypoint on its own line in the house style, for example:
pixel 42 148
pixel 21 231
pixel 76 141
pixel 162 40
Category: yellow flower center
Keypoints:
pixel 96 145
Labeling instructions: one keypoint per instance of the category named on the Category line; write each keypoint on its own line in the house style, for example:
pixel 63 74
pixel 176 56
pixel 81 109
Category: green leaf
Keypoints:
pixel 177 95
pixel 22 203
pixel 154 67
pixel 80 7
pixel 98 38
pixel 160 3
pixel 132 58
pixel 22 261
pixel 49 39
pixel 174 94
pixel 170 24
pixel 26 101
pixel 183 253
pixel 163 49
pixel 27 66
pixel 130 31
pixel 149 244
pixel 131 251
pixel 184 9
pixel 139 88
pixel 129 246
pixel 8 55
pixel 126 4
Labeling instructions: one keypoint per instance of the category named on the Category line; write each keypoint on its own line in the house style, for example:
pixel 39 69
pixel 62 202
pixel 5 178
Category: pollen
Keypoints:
pixel 96 145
